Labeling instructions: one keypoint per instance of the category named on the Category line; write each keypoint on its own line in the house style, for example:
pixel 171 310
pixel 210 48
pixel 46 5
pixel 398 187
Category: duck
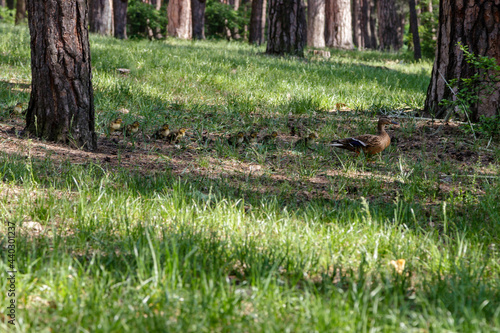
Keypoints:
pixel 306 141
pixel 132 128
pixel 162 132
pixel 270 137
pixel 251 137
pixel 176 136
pixel 368 143
pixel 115 125
pixel 18 109
pixel 237 139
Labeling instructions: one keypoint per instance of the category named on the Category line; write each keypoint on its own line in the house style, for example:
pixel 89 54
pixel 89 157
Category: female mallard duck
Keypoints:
pixel 369 143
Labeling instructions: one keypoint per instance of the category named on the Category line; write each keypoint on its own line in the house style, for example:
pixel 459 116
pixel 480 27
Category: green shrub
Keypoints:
pixel 143 17
pixel 222 21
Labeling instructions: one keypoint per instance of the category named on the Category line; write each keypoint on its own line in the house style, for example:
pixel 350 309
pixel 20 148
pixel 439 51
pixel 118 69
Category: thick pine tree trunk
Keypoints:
pixel 179 19
pixel 258 22
pixel 61 106
pixel 20 11
pixel 120 18
pixel 316 23
pixel 101 17
pixel 287 27
pixel 477 25
pixel 417 53
pixel 338 29
pixel 389 25
pixel 198 9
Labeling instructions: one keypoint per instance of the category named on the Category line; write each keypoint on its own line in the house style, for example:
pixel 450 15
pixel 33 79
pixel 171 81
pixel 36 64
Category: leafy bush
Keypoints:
pixel 143 20
pixel 222 21
pixel 7 15
pixel 427 30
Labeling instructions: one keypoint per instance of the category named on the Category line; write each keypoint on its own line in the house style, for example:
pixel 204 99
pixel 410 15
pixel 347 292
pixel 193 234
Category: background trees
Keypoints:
pixel 287 27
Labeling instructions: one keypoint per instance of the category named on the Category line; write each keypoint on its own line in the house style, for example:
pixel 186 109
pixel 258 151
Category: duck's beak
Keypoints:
pixel 394 122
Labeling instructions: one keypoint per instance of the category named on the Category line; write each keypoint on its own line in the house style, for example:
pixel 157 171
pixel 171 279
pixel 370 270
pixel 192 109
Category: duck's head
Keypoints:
pixel 386 121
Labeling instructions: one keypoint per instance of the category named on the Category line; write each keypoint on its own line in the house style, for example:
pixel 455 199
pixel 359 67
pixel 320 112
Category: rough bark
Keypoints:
pixel 101 17
pixel 356 28
pixel 20 11
pixel 417 53
pixel 179 19
pixel 287 27
pixel 372 18
pixel 477 25
pixel 258 22
pixel 338 28
pixel 120 18
pixel 316 23
pixel 61 106
pixel 389 25
pixel 198 13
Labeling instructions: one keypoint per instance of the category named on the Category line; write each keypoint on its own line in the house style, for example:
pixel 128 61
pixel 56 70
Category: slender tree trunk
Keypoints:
pixel 477 25
pixel 2 3
pixel 316 23
pixel 258 22
pixel 198 9
pixel 338 31
pixel 287 27
pixel 101 17
pixel 156 4
pixel 10 4
pixel 372 17
pixel 356 24
pixel 179 19
pixel 389 25
pixel 417 53
pixel 61 106
pixel 20 11
pixel 120 18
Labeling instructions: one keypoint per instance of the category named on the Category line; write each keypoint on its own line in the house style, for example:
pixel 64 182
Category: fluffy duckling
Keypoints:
pixel 306 141
pixel 18 109
pixel 269 138
pixel 251 137
pixel 115 125
pixel 132 128
pixel 237 139
pixel 176 136
pixel 162 132
pixel 369 143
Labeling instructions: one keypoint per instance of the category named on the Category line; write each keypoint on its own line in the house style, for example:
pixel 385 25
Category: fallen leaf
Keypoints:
pixel 399 265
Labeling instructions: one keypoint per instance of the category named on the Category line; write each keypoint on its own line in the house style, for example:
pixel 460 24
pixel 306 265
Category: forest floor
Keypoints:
pixel 202 236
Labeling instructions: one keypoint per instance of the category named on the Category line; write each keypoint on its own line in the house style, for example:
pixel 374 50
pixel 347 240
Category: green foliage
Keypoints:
pixel 428 28
pixel 7 15
pixel 142 17
pixel 482 83
pixel 222 21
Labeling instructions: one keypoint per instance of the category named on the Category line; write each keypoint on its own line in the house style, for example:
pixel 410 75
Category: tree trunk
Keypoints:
pixel 477 25
pixel 372 18
pixel 120 18
pixel 156 4
pixel 389 25
pixel 10 4
pixel 101 17
pixel 316 23
pixel 61 106
pixel 198 9
pixel 356 24
pixel 258 22
pixel 2 3
pixel 287 27
pixel 338 31
pixel 20 11
pixel 179 19
pixel 417 53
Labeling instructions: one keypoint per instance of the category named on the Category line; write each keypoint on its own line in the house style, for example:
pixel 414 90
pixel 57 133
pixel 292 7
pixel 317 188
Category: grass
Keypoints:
pixel 207 237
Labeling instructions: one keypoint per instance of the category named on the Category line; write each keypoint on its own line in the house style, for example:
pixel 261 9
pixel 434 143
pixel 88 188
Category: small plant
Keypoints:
pixel 469 91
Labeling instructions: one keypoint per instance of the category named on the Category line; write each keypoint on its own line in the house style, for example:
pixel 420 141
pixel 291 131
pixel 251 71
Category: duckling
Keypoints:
pixel 369 143
pixel 269 138
pixel 251 138
pixel 18 109
pixel 237 139
pixel 132 128
pixel 115 125
pixel 162 132
pixel 176 136
pixel 306 141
